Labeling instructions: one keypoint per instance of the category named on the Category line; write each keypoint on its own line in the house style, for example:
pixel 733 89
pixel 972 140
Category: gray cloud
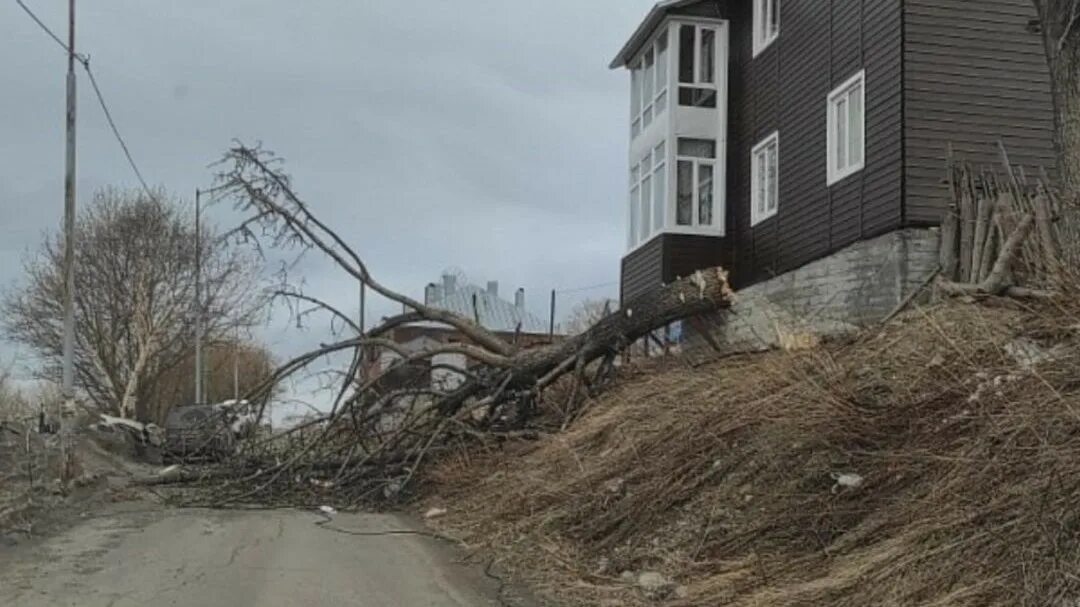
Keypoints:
pixel 482 134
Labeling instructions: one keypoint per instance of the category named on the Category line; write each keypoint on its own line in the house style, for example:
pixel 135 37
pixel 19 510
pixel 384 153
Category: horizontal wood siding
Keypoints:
pixel 822 43
pixel 642 269
pixel 685 254
pixel 669 257
pixel 973 75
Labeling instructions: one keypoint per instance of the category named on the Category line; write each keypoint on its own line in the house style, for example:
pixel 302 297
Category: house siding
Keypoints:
pixel 972 77
pixel 642 269
pixel 822 43
pixel 667 258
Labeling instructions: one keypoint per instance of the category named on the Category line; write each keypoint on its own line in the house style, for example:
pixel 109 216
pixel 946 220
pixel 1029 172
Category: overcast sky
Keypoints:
pixel 483 134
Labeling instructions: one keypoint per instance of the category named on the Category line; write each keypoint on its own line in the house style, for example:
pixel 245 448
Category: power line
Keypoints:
pixel 42 25
pixel 588 288
pixel 116 131
pixel 85 62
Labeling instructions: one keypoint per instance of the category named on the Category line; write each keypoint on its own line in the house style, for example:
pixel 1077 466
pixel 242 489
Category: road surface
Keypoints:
pixel 238 559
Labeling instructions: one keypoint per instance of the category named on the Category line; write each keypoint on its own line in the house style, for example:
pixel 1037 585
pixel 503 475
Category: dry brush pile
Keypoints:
pixel 936 462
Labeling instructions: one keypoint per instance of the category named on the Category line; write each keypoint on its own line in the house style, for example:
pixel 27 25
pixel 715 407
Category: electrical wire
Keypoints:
pixel 116 131
pixel 44 27
pixel 589 288
pixel 85 62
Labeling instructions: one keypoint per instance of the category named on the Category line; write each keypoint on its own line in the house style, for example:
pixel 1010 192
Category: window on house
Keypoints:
pixel 648 84
pixel 635 99
pixel 766 23
pixel 697 66
pixel 659 184
pixel 847 129
pixel 661 73
pixel 695 188
pixel 648 196
pixel 635 207
pixel 647 89
pixel 765 177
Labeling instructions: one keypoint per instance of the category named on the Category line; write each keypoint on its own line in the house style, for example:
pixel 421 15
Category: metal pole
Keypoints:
pixel 362 371
pixel 363 302
pixel 236 367
pixel 68 376
pixel 198 299
pixel 552 328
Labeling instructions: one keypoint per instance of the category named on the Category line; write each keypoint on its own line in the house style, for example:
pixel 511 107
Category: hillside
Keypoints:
pixel 931 462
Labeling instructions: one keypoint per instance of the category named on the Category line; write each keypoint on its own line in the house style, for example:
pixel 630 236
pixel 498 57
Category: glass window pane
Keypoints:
pixel 647 89
pixel 841 134
pixel 695 97
pixel 646 164
pixel 635 211
pixel 684 207
pixel 855 125
pixel 661 63
pixel 646 214
pixel 658 153
pixel 659 197
pixel 661 103
pixel 635 129
pixel 705 194
pixel 759 178
pixel 646 118
pixel 774 179
pixel 708 55
pixel 686 53
pixel 635 93
pixel 635 175
pixel 697 148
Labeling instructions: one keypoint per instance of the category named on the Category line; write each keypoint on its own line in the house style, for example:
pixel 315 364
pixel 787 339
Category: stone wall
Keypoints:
pixel 853 288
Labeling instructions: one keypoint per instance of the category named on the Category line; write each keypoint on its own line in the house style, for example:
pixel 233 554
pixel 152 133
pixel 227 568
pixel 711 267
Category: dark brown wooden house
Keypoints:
pixel 767 134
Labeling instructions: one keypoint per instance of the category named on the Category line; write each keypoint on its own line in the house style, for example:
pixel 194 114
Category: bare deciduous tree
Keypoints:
pixel 135 271
pixel 588 313
pixel 251 363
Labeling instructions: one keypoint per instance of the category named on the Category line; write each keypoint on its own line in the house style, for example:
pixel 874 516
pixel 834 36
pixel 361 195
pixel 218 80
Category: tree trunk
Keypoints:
pixel 1063 53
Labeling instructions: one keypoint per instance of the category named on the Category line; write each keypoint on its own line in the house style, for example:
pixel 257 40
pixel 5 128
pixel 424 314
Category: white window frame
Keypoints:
pixel 761 149
pixel 659 101
pixel 843 93
pixel 697 82
pixel 658 164
pixel 763 18
pixel 695 183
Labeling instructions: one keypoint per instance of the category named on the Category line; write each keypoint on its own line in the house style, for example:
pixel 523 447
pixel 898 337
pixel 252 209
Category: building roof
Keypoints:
pixel 495 313
pixel 641 34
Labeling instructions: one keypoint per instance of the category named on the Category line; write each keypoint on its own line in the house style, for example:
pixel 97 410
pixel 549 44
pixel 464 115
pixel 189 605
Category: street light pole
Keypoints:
pixel 198 299
pixel 68 376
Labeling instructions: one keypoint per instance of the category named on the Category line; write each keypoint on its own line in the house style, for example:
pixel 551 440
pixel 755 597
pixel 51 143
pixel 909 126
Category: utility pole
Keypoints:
pixel 236 367
pixel 68 379
pixel 198 299
pixel 551 330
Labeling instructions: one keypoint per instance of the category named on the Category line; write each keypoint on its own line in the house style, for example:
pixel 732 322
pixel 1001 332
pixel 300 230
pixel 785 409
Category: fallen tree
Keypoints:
pixel 369 445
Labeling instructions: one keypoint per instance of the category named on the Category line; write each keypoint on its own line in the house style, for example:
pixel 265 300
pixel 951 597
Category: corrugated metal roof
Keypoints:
pixel 495 314
pixel 652 20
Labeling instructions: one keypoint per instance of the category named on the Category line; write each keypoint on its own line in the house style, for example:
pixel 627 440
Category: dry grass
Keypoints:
pixel 723 477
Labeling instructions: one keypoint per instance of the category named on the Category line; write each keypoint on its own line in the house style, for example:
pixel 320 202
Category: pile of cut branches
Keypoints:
pixel 1001 234
pixel 369 445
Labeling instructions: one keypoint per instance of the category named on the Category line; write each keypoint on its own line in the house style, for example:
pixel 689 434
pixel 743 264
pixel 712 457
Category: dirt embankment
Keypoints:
pixel 935 461
pixel 31 499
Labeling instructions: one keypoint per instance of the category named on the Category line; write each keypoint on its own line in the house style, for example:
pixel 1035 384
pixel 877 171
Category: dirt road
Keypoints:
pixel 206 558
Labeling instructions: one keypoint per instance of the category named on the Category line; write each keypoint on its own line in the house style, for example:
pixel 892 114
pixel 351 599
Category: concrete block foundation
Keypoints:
pixel 839 294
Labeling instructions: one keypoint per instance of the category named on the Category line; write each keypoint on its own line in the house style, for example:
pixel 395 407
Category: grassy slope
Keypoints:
pixel 724 477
